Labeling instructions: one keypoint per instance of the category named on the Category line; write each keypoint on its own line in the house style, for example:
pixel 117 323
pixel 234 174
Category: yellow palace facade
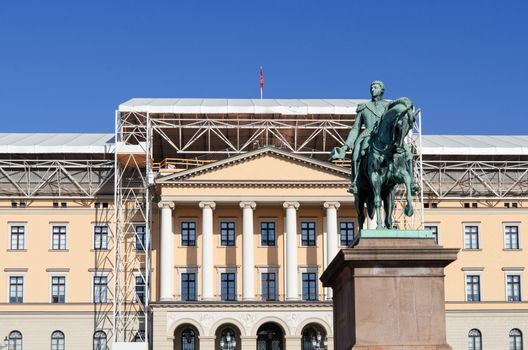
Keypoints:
pixel 206 224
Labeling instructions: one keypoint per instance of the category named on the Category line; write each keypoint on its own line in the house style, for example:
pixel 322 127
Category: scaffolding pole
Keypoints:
pixel 132 237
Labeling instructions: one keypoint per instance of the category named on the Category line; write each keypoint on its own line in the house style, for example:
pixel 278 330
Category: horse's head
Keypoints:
pixel 403 121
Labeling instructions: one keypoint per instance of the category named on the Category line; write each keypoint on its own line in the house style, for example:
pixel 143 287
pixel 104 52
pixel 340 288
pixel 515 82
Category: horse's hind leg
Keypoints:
pixel 409 211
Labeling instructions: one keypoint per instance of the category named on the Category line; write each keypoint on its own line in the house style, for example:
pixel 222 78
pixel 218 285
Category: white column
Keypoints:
pixel 166 252
pixel 332 238
pixel 207 249
pixel 248 251
pixel 331 230
pixel 291 282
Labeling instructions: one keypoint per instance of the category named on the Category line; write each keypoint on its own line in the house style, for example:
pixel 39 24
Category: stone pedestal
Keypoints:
pixel 389 292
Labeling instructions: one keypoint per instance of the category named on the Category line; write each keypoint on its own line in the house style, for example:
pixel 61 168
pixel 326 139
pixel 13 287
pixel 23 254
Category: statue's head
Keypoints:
pixel 377 88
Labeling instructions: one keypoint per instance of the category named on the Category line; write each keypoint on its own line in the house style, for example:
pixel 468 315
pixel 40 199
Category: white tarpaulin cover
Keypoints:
pixel 249 106
pixel 104 143
pixel 56 143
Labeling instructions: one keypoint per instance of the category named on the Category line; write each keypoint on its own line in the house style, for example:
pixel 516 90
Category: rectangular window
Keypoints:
pixel 188 233
pixel 269 287
pixel 267 233
pixel 100 284
pixel 513 287
pixel 228 287
pixel 58 289
pixel 16 289
pixel 100 237
pixel 140 289
pixel 434 230
pixel 471 237
pixel 472 288
pixel 17 237
pixel 309 286
pixel 188 286
pixel 58 237
pixel 346 233
pixel 511 237
pixel 141 242
pixel 308 233
pixel 227 233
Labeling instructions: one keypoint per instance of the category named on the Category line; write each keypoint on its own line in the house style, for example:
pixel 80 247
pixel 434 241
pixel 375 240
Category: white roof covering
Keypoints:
pixel 474 145
pixel 104 143
pixel 251 106
pixel 56 143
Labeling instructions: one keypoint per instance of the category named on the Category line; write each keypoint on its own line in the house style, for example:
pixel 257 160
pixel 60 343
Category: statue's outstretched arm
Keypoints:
pixel 340 152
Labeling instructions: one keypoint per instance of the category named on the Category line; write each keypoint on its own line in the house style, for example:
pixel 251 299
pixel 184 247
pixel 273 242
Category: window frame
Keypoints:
pixel 235 229
pixel 16 275
pixel 511 224
pixel 58 346
pixel 10 238
pixel 479 275
pixel 518 336
pixel 59 224
pixel 220 282
pixel 437 226
pixel 105 345
pixel 479 243
pixel 510 273
pixel 274 221
pixel 9 337
pixel 469 336
pixel 188 220
pixel 94 225
pixel 137 300
pixel 188 273
pixel 345 220
pixel 100 274
pixel 145 242
pixel 315 281
pixel 51 276
pixel 308 221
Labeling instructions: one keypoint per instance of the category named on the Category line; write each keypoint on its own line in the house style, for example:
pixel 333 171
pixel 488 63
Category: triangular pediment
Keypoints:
pixel 267 165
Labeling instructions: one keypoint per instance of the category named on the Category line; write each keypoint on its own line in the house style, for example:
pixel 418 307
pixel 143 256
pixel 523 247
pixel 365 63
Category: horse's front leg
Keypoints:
pixel 360 208
pixel 408 194
pixel 388 204
pixel 375 181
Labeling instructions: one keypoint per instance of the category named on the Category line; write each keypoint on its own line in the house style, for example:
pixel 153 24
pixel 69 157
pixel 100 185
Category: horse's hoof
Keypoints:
pixel 409 211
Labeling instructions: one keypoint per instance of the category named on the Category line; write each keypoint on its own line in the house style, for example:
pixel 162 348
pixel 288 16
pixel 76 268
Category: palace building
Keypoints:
pixel 206 224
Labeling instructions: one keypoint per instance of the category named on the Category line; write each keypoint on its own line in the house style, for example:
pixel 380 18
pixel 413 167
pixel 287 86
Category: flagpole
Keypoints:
pixel 261 81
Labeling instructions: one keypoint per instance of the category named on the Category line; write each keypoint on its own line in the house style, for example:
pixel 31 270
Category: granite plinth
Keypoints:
pixel 388 292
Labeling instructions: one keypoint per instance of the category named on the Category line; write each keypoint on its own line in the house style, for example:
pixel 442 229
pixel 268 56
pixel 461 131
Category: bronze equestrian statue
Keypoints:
pixel 381 159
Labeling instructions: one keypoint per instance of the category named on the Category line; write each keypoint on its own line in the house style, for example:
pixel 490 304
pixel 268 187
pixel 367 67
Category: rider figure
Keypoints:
pixel 368 115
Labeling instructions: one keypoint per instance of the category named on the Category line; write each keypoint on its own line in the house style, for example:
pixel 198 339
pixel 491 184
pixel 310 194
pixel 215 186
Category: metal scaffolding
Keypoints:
pixel 480 179
pixel 231 134
pixel 133 216
pixel 54 178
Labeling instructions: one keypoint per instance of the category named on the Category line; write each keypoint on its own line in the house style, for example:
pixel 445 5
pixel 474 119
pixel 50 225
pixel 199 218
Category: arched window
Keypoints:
pixel 99 341
pixel 474 340
pixel 15 340
pixel 188 339
pixel 57 340
pixel 313 337
pixel 515 339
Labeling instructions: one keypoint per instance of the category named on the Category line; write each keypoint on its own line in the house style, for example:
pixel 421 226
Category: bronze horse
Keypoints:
pixel 385 165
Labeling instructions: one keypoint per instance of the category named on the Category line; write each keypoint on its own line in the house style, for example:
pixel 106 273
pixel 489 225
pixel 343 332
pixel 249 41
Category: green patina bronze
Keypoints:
pixel 380 157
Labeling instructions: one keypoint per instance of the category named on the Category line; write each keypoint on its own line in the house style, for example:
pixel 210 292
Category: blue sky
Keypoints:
pixel 66 65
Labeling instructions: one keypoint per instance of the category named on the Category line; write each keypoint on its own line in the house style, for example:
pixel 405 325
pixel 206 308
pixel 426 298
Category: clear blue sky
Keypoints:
pixel 66 65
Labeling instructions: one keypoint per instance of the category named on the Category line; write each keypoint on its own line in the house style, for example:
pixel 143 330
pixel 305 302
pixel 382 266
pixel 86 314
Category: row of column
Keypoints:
pixel 248 264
